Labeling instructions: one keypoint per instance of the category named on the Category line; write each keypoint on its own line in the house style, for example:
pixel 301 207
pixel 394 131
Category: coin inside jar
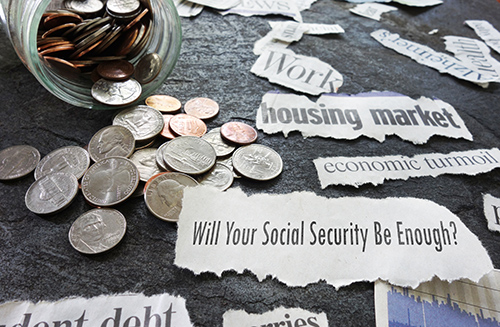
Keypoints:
pixel 115 70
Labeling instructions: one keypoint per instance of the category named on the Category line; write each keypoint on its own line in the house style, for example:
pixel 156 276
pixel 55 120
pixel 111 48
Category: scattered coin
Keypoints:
pixel 144 122
pixel 221 147
pixel 238 132
pixel 51 193
pixel 70 159
pixel 203 108
pixel 18 161
pixel 164 193
pixel 187 125
pixel 116 70
pixel 220 177
pixel 164 103
pixel 97 230
pixel 110 181
pixel 159 157
pixel 148 68
pixel 189 155
pixel 111 141
pixel 166 132
pixel 145 161
pixel 257 162
pixel 116 93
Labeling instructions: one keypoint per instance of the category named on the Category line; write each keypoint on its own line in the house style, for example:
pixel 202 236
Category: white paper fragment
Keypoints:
pixel 373 114
pixel 278 317
pixel 357 171
pixel 439 303
pixel 301 238
pixel 268 42
pixel 303 4
pixel 434 31
pixel 288 31
pixel 486 32
pixel 492 212
pixel 301 73
pixel 474 53
pixel 218 4
pixel 128 309
pixel 372 10
pixel 272 7
pixel 428 57
pixel 419 3
pixel 187 8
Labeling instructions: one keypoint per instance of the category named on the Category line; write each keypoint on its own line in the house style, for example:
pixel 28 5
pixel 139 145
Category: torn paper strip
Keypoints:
pixel 428 57
pixel 372 10
pixel 474 53
pixel 373 114
pixel 492 212
pixel 301 238
pixel 301 73
pixel 278 317
pixel 260 8
pixel 487 32
pixel 439 303
pixel 357 171
pixel 131 309
pixel 218 4
pixel 187 8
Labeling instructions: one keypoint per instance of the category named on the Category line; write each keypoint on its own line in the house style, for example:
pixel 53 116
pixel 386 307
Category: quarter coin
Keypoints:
pixel 221 147
pixel 143 121
pixel 189 155
pixel 116 93
pixel 148 68
pixel 97 230
pixel 164 103
pixel 18 161
pixel 145 161
pixel 257 162
pixel 187 125
pixel 238 132
pixel 111 141
pixel 203 108
pixel 164 193
pixel 220 177
pixel 70 159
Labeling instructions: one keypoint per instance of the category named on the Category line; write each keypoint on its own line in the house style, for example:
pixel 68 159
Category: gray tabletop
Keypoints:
pixel 37 261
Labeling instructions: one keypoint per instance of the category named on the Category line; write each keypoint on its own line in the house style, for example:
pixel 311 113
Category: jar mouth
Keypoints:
pixel 164 39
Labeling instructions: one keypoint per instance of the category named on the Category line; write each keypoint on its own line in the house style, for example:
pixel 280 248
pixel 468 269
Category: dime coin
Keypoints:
pixel 164 103
pixel 116 93
pixel 163 195
pixel 18 161
pixel 189 155
pixel 148 68
pixel 143 121
pixel 145 161
pixel 110 181
pixel 220 177
pixel 70 159
pixel 116 70
pixel 111 141
pixel 239 133
pixel 221 147
pixel 257 162
pixel 203 108
pixel 166 132
pixel 51 193
pixel 187 125
pixel 97 230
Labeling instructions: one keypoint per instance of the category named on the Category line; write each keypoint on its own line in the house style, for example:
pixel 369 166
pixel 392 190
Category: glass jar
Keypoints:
pixel 21 19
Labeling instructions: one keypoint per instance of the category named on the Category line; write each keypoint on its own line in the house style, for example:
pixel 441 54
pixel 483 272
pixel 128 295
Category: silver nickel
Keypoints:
pixel 51 193
pixel 143 121
pixel 220 177
pixel 18 161
pixel 189 154
pixel 258 162
pixel 145 161
pixel 116 93
pixel 221 147
pixel 148 68
pixel 97 230
pixel 110 181
pixel 164 193
pixel 70 159
pixel 111 141
pixel 159 157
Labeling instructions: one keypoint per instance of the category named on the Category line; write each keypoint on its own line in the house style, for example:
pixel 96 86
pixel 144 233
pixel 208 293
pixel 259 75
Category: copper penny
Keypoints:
pixel 138 18
pixel 52 44
pixel 187 125
pixel 54 20
pixel 116 70
pixel 166 132
pixel 203 108
pixel 238 132
pixel 58 30
pixel 164 103
pixel 62 66
pixel 126 41
pixel 61 50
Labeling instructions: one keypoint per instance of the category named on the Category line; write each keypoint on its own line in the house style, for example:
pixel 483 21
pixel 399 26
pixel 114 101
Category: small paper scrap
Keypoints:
pixel 492 212
pixel 301 238
pixel 129 309
pixel 373 114
pixel 273 7
pixel 426 56
pixel 278 317
pixel 187 8
pixel 487 32
pixel 301 73
pixel 357 171
pixel 372 10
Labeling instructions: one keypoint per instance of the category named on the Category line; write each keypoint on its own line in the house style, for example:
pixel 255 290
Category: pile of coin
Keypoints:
pixel 121 161
pixel 100 40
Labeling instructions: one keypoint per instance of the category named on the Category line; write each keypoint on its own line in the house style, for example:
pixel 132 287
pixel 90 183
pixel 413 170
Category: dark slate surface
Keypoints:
pixel 38 263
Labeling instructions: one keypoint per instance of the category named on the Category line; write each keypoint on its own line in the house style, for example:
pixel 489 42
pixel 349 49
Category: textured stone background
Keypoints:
pixel 38 263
